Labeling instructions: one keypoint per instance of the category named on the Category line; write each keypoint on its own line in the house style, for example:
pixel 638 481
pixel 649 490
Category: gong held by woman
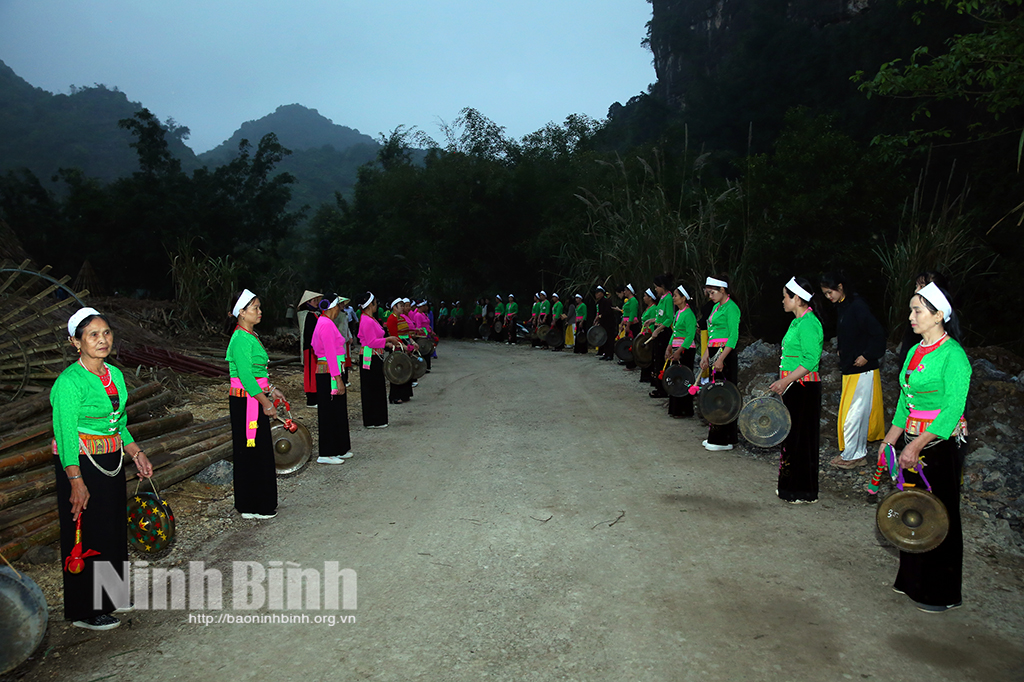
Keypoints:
pixel 929 429
pixel 90 440
pixel 800 387
pixel 723 336
pixel 373 389
pixel 251 404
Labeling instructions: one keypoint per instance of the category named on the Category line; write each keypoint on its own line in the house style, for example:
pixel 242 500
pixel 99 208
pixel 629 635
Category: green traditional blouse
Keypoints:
pixel 499 309
pixel 81 405
pixel 536 307
pixel 478 310
pixel 581 311
pixel 545 307
pixel 801 346
pixel 724 323
pixel 443 312
pixel 631 308
pixel 556 309
pixel 665 311
pixel 649 314
pixel 457 312
pixel 512 308
pixel 684 327
pixel 247 360
pixel 940 382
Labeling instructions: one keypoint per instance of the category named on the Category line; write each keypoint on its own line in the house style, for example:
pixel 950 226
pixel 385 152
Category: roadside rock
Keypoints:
pixel 218 473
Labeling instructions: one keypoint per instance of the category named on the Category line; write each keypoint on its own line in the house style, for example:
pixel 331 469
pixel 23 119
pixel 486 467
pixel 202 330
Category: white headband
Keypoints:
pixel 335 302
pixel 395 302
pixel 935 296
pixel 554 294
pixel 579 296
pixel 630 287
pixel 600 288
pixel 511 295
pixel 682 290
pixel 367 304
pixel 712 282
pixel 651 294
pixel 243 300
pixel 543 293
pixel 798 290
pixel 77 318
pixel 421 303
pixel 406 300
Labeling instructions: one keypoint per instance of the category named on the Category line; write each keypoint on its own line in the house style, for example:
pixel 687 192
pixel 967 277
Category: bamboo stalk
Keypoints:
pixel 28 510
pixel 161 425
pixel 149 404
pixel 24 478
pixel 164 459
pixel 27 527
pixel 43 536
pixel 30 302
pixel 18 437
pixel 14 275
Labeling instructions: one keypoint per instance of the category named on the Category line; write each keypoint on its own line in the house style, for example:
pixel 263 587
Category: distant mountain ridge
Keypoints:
pixel 297 127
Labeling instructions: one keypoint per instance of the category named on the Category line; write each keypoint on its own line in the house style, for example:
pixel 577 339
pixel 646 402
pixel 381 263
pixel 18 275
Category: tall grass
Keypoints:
pixel 202 285
pixel 934 236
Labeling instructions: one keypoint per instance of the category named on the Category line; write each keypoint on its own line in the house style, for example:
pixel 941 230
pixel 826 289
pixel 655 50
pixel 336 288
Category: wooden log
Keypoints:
pixel 29 491
pixel 18 412
pixel 44 536
pixel 161 425
pixel 28 510
pixel 141 407
pixel 25 435
pixel 27 527
pixel 41 456
pixel 24 478
pixel 164 459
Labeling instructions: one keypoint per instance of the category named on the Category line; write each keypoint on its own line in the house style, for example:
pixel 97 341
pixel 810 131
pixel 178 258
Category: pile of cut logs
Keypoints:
pixel 177 447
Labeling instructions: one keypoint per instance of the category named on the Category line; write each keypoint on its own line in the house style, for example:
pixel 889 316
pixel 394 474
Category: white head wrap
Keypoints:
pixel 396 302
pixel 599 288
pixel 713 282
pixel 421 303
pixel 935 296
pixel 631 290
pixel 77 318
pixel 554 294
pixel 406 300
pixel 243 300
pixel 681 289
pixel 799 290
pixel 543 293
pixel 334 303
pixel 579 296
pixel 651 294
pixel 367 304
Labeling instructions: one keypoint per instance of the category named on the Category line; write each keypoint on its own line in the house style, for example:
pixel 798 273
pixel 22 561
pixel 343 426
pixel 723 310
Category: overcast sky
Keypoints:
pixel 367 64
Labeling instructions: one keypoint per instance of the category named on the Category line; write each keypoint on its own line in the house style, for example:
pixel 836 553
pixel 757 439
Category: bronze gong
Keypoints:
pixel 291 450
pixel 719 402
pixel 642 353
pixel 912 519
pixel 624 349
pixel 398 367
pixel 419 366
pixel 677 380
pixel 425 345
pixel 765 421
pixel 554 339
pixel 597 336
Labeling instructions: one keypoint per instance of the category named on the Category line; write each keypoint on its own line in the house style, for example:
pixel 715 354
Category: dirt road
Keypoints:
pixel 537 516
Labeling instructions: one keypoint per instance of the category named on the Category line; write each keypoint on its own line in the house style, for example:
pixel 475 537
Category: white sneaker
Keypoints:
pixel 415 384
pixel 101 622
pixel 714 447
pixel 250 515
pixel 330 459
pixel 125 609
pixel 346 455
pixel 379 426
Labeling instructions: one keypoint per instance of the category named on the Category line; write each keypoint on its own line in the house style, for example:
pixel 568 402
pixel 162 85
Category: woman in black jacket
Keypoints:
pixel 861 341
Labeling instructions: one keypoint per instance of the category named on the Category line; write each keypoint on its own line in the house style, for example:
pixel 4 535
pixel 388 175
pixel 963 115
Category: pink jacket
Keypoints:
pixel 371 334
pixel 329 343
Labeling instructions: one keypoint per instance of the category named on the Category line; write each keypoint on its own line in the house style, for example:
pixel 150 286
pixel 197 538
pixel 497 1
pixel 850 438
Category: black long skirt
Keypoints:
pixel 104 529
pixel 683 406
pixel 635 328
pixel 401 392
pixel 332 419
pixel 658 346
pixel 798 456
pixel 580 345
pixel 935 577
pixel 607 349
pixel 255 476
pixel 727 434
pixel 374 393
pixel 510 332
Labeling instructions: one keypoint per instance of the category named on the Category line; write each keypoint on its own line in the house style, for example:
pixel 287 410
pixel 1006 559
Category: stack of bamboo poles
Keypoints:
pixel 177 448
pixel 33 343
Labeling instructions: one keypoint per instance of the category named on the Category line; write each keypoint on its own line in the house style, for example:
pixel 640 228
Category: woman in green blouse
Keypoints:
pixel 646 322
pixel 800 387
pixel 682 347
pixel 90 438
pixel 929 428
pixel 723 337
pixel 251 404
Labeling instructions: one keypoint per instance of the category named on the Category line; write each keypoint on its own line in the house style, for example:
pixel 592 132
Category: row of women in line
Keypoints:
pixel 929 427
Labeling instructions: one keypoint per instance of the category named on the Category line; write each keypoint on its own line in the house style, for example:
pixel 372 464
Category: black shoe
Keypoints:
pixel 101 622
pixel 658 394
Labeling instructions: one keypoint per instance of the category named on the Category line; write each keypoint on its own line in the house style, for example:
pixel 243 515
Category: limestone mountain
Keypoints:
pixel 44 132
